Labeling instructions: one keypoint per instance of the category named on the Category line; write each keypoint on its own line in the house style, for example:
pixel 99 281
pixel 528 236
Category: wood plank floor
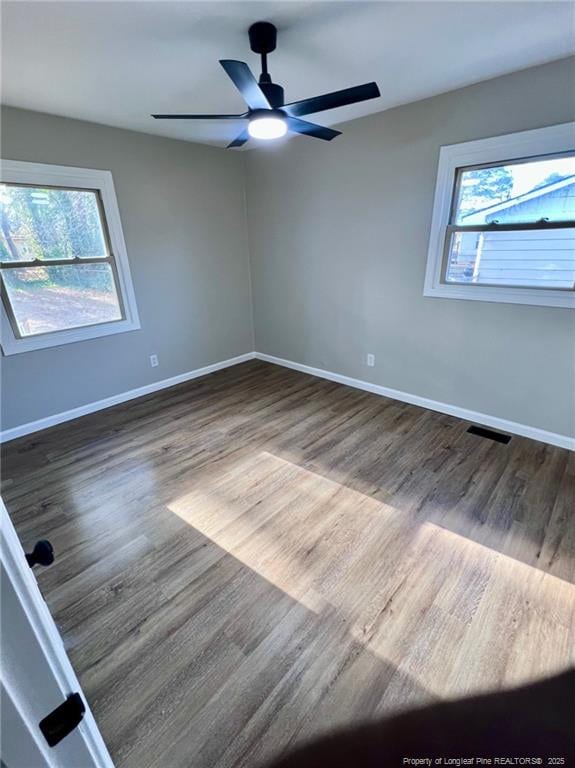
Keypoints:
pixel 256 556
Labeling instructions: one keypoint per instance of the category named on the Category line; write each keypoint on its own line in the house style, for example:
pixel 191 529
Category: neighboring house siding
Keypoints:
pixel 544 258
pixel 528 257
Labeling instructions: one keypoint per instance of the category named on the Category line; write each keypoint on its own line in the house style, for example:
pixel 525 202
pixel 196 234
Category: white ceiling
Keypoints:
pixel 116 62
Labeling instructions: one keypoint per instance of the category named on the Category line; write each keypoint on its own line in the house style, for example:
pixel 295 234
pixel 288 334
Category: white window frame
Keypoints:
pixel 514 146
pixel 41 174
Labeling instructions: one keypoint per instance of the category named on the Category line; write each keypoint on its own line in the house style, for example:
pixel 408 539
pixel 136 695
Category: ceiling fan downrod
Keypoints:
pixel 263 40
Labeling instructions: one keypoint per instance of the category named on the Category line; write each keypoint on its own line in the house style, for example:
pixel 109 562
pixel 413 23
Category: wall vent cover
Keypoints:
pixel 490 434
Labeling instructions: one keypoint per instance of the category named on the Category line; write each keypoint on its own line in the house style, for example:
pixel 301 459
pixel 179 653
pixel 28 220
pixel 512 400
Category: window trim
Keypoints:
pixel 552 140
pixel 101 182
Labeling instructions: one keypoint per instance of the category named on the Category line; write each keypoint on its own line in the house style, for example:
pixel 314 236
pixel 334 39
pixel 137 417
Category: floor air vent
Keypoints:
pixel 490 434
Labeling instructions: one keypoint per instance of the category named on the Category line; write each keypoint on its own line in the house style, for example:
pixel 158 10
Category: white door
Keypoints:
pixel 36 673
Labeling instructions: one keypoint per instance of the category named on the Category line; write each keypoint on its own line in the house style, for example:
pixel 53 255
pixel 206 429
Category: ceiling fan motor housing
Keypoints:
pixel 263 37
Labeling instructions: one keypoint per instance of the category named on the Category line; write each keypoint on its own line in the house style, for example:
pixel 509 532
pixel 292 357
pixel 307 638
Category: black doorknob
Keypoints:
pixel 42 554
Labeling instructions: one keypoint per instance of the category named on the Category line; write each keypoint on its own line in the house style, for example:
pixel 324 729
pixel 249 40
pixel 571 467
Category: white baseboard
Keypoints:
pixel 122 397
pixel 552 438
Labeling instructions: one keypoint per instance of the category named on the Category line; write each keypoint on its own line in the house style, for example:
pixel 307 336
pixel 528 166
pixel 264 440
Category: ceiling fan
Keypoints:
pixel 267 115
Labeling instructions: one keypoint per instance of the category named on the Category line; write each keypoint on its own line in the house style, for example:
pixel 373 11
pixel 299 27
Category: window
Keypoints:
pixel 503 224
pixel 64 269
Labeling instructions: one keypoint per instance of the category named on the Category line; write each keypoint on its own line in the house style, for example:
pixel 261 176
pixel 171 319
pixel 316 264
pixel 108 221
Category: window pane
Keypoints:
pixel 45 298
pixel 527 191
pixel 541 258
pixel 49 223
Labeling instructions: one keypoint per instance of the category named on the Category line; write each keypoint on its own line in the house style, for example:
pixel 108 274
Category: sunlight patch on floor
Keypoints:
pixel 409 590
pixel 518 613
pixel 280 520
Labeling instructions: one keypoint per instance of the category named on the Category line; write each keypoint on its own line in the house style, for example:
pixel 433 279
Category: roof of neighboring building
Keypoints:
pixel 520 199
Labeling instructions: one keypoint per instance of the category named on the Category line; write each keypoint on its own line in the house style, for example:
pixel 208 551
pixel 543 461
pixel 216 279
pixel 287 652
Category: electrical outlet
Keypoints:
pixel 154 362
pixel 370 359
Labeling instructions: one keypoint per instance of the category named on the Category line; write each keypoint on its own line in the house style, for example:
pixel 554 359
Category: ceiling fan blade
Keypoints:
pixel 332 100
pixel 240 140
pixel 311 129
pixel 245 82
pixel 200 117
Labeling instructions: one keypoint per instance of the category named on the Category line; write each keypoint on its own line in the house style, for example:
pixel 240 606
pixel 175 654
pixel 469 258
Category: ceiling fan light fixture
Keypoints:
pixel 271 126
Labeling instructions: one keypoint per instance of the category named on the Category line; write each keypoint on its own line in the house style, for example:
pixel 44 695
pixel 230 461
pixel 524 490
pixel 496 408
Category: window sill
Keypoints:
pixel 14 346
pixel 536 297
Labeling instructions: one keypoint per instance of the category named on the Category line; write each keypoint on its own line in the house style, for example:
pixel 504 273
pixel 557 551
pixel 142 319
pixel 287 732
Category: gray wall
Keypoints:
pixel 338 240
pixel 182 207
pixel 338 243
